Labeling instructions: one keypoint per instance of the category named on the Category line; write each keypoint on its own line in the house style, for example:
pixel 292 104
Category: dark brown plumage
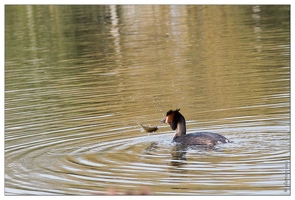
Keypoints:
pixel 177 122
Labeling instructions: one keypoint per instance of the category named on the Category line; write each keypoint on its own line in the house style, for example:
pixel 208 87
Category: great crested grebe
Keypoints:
pixel 177 122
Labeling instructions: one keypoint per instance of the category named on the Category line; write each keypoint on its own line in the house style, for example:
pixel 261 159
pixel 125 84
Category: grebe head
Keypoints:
pixel 172 118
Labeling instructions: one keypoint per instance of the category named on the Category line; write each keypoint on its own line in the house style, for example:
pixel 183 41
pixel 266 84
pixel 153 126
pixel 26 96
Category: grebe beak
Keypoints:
pixel 163 120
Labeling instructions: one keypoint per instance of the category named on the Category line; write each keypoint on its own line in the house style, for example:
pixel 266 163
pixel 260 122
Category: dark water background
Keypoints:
pixel 79 79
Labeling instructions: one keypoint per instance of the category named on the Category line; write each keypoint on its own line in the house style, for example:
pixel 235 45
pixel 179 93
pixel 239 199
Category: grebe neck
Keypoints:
pixel 181 127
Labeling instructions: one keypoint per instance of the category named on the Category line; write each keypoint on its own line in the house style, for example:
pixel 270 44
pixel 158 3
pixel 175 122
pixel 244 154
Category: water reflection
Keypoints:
pixel 257 29
pixel 178 155
pixel 79 78
pixel 177 152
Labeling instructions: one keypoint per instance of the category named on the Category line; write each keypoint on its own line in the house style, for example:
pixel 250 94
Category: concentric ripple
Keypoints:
pixel 152 161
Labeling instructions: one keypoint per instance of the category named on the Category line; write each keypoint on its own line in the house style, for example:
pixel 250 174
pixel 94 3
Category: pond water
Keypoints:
pixel 80 79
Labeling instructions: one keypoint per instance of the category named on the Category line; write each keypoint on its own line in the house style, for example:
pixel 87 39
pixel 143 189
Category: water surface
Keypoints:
pixel 79 79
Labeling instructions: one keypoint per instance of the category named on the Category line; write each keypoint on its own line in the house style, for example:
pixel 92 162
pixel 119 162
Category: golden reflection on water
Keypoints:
pixel 79 79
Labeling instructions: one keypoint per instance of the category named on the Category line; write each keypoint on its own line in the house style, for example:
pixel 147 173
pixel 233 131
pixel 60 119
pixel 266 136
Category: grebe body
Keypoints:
pixel 177 122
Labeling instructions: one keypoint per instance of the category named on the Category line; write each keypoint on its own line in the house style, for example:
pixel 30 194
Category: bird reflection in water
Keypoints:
pixel 178 151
